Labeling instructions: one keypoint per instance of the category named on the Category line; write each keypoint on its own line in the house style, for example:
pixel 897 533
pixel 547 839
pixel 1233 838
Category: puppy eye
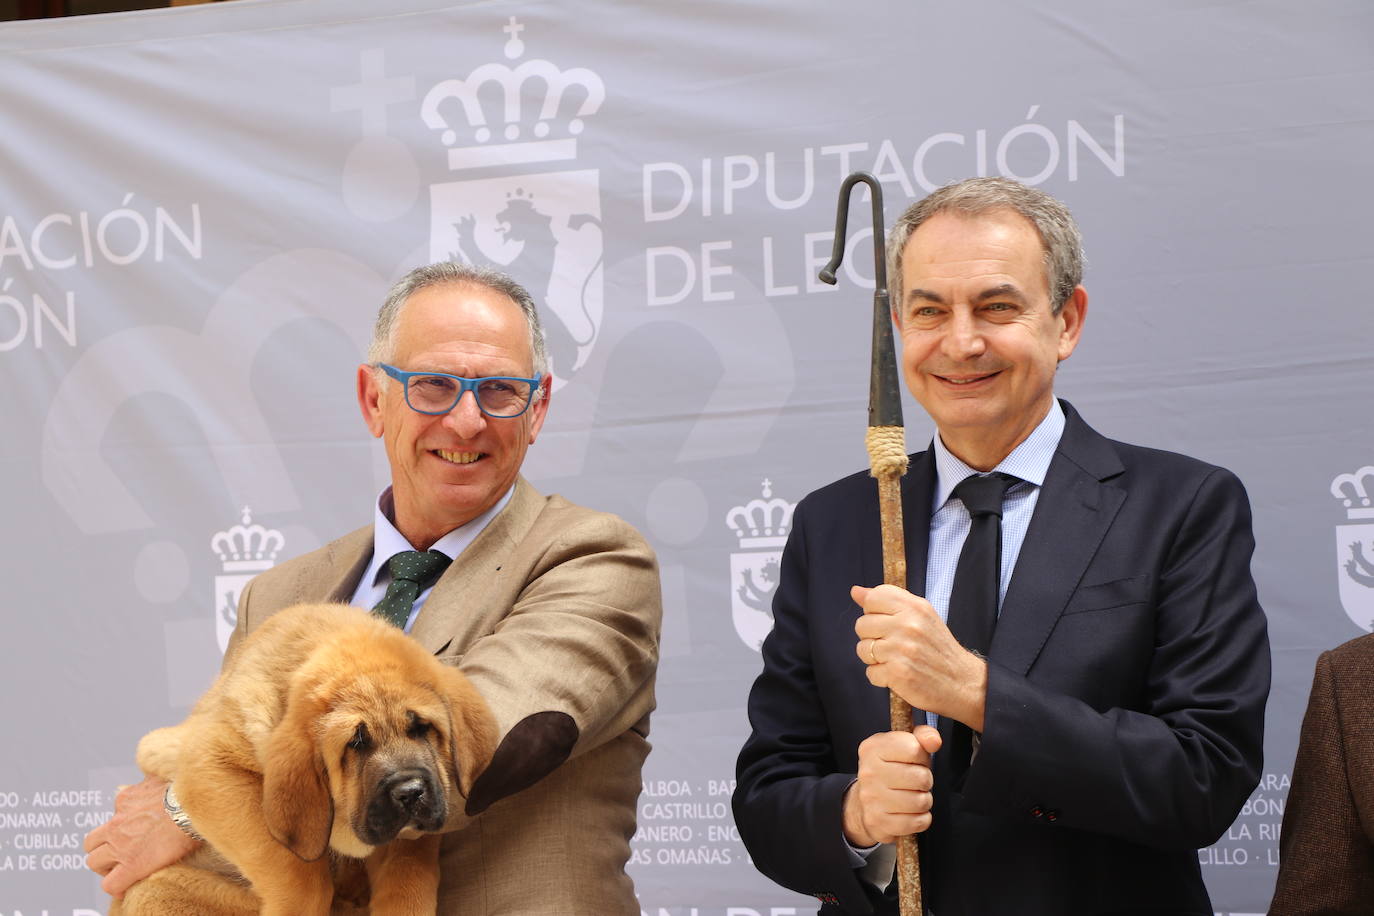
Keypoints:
pixel 418 727
pixel 360 740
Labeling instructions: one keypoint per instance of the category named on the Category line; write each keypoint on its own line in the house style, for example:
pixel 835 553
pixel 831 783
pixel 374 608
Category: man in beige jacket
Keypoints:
pixel 552 610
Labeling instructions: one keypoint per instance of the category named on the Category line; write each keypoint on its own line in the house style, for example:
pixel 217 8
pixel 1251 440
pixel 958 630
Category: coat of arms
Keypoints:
pixel 1355 546
pixel 541 225
pixel 761 527
pixel 244 551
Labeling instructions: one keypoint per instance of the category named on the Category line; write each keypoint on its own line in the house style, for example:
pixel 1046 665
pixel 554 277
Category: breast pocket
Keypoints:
pixel 1106 596
pixel 1102 644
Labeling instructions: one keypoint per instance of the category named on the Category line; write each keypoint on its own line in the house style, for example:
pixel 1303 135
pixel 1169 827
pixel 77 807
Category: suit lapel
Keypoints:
pixel 1075 509
pixel 917 493
pixel 337 578
pixel 457 607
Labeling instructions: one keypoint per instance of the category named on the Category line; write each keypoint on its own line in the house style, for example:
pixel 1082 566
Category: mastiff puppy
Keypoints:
pixel 317 768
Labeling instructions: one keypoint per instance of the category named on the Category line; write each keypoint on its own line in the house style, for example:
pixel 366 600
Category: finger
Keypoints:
pixel 905 825
pixel 905 798
pixel 870 653
pixel 873 626
pixel 101 860
pixel 893 747
pixel 882 599
pixel 117 881
pixel 904 778
pixel 887 826
pixel 928 738
pixel 95 838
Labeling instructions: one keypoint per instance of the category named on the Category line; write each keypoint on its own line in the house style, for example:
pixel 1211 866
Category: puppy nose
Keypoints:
pixel 406 792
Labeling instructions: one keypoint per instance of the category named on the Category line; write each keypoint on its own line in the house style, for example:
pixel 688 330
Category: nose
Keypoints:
pixel 963 338
pixel 406 792
pixel 466 418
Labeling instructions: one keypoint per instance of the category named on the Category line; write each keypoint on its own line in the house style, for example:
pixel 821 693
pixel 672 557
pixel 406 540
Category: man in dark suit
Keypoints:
pixel 1327 845
pixel 1111 722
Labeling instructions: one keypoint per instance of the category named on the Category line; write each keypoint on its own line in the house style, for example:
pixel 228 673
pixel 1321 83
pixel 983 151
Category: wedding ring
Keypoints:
pixel 872 656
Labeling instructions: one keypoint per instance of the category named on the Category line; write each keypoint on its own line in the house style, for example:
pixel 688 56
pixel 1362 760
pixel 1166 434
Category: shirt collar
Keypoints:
pixel 387 541
pixel 1029 461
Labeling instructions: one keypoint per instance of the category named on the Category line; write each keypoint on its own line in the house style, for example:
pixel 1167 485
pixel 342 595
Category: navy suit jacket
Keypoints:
pixel 1125 709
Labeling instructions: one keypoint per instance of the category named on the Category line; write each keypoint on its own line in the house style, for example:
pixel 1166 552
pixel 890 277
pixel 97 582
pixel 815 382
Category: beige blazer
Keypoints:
pixel 1326 849
pixel 554 614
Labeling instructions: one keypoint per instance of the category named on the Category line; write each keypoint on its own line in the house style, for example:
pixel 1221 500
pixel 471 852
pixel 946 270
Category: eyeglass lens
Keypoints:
pixel 500 397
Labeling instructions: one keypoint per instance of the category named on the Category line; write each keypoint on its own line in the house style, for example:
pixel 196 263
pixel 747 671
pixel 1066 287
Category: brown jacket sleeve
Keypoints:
pixel 1326 849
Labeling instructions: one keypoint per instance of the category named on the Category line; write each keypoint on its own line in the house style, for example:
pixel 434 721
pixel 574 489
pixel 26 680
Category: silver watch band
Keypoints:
pixel 178 816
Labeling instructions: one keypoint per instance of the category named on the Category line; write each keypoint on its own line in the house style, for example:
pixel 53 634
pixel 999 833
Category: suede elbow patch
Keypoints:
pixel 531 750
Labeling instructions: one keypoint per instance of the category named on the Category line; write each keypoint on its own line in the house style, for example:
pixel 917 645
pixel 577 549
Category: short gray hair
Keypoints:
pixel 1059 235
pixel 383 346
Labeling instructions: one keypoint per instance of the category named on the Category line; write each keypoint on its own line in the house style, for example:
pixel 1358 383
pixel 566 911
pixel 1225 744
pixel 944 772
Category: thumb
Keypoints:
pixel 928 738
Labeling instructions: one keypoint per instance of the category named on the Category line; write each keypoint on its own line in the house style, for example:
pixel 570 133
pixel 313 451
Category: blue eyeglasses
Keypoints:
pixel 435 393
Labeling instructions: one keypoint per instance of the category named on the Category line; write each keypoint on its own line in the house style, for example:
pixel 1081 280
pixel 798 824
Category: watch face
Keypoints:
pixel 177 815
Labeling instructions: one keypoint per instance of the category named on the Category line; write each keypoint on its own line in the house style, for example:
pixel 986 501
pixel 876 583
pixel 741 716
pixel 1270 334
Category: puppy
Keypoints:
pixel 328 730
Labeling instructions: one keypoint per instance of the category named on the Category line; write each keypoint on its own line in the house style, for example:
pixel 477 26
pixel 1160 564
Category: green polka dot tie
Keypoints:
pixel 411 573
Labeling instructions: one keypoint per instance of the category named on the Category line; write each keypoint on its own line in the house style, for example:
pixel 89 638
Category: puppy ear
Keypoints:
pixel 473 732
pixel 296 803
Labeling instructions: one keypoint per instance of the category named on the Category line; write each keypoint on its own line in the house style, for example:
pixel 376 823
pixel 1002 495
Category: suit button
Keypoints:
pixel 1037 811
pixel 1052 815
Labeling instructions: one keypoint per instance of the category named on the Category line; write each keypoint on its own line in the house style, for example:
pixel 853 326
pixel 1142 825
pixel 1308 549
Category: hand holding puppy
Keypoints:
pixel 138 840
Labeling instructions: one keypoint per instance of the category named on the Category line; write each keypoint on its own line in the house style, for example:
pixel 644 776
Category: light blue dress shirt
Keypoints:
pixel 950 521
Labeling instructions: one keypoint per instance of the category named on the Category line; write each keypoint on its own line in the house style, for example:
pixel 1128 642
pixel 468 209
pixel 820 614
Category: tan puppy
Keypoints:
pixel 329 730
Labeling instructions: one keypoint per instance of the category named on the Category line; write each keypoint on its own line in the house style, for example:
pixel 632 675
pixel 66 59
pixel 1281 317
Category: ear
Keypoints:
pixel 472 729
pixel 370 399
pixel 296 803
pixel 1072 315
pixel 540 408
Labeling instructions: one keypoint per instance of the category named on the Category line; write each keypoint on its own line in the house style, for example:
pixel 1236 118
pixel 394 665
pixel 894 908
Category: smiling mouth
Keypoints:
pixel 967 379
pixel 459 457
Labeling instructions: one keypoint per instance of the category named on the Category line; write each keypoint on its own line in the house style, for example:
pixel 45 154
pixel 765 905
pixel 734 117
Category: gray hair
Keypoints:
pixel 1052 220
pixel 383 346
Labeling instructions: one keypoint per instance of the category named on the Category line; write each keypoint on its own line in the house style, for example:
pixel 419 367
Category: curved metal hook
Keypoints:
pixel 827 274
pixel 884 395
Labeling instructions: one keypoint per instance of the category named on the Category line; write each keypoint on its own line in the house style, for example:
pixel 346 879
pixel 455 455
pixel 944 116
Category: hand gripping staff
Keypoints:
pixel 886 443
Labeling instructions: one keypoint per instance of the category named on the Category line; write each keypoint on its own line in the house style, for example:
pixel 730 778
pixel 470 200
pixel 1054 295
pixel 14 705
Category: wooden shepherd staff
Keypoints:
pixel 886 442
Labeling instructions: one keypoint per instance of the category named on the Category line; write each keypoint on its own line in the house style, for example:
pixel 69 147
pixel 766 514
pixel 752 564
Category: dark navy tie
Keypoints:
pixel 977 581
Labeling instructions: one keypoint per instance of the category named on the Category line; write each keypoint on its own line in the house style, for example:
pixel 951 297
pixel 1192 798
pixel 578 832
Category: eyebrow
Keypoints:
pixel 1002 290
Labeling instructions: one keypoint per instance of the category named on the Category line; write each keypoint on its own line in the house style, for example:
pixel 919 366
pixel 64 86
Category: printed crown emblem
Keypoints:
pixel 1353 492
pixel 762 522
pixel 554 132
pixel 247 547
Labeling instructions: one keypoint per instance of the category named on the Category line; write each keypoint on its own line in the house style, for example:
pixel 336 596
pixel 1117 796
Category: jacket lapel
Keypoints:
pixel 1075 509
pixel 917 493
pixel 458 606
pixel 337 577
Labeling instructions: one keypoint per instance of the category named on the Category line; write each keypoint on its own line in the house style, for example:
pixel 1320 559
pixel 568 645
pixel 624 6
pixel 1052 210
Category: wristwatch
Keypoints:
pixel 179 816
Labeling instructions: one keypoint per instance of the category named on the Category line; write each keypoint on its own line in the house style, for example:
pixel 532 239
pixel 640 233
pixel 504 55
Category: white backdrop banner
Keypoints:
pixel 201 209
